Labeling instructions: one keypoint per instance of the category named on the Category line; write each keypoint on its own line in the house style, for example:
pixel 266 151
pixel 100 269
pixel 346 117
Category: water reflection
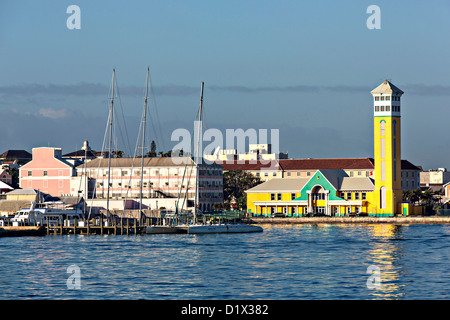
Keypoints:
pixel 386 253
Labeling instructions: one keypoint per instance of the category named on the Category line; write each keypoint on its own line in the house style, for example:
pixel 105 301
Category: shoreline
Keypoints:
pixel 351 220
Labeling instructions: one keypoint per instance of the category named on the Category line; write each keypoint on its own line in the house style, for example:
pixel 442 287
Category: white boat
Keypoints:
pixel 223 228
pixel 195 227
pixel 165 229
pixel 199 228
pixel 44 214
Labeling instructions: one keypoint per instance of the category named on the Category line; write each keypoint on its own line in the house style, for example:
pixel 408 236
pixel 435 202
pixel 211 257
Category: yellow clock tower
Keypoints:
pixel 387 144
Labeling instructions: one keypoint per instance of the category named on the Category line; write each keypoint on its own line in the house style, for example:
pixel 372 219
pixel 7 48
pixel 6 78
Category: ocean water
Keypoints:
pixel 282 263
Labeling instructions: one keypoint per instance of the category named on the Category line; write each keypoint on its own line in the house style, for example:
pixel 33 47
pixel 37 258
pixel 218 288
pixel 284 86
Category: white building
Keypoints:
pixel 164 181
pixel 255 152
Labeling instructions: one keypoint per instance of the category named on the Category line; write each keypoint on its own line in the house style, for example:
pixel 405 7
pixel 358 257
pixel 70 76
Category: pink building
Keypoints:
pixel 5 176
pixel 48 172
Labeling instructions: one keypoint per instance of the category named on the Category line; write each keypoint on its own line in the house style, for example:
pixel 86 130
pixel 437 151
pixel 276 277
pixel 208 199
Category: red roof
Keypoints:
pixel 315 164
pixel 309 164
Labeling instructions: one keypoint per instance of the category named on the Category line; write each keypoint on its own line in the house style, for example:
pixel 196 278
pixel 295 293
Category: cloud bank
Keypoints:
pixel 85 89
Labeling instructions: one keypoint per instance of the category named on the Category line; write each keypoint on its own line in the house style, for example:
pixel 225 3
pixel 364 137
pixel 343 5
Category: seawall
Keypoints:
pixel 361 220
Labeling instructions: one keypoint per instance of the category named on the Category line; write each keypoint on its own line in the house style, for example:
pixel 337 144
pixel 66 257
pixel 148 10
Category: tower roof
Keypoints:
pixel 386 87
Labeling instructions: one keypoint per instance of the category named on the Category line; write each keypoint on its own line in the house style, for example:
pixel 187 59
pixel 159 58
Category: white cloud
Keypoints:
pixel 53 113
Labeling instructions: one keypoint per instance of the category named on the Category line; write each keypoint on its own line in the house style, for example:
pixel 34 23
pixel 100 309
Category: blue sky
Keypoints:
pixel 303 67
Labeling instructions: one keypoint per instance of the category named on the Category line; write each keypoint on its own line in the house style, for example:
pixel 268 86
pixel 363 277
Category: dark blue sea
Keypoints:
pixel 282 263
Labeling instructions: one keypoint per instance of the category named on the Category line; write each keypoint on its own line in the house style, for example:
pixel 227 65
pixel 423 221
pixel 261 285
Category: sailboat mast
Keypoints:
pixel 144 119
pixel 198 156
pixel 111 113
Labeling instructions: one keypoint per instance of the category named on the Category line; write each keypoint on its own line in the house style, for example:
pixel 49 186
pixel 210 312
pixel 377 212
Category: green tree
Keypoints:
pixel 235 183
pixel 427 197
pixel 117 154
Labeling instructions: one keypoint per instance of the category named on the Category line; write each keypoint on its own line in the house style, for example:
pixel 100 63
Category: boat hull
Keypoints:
pixel 164 230
pixel 223 228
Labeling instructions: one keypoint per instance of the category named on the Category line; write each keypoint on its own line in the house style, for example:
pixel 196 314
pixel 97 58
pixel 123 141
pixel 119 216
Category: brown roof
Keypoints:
pixel 406 165
pixel 16 154
pixel 309 164
pixel 315 164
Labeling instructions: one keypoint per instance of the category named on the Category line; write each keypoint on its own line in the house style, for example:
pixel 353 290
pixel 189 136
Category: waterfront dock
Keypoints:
pixel 10 231
pixel 351 220
pixel 90 227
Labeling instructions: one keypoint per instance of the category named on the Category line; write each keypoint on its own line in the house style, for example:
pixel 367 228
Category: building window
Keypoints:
pixel 272 196
pixel 349 196
pixel 356 196
pixel 382 127
pixel 45 173
pixel 274 174
pixel 395 148
pixel 288 174
pixel 388 108
pixel 318 196
pixel 30 173
pixel 395 169
pixel 382 146
pixel 363 196
pixel 394 128
pixel 293 196
pixel 382 98
pixel 383 171
pixel 279 196
pixel 383 197
pixel 377 108
pixel 308 173
pixel 388 98
pixel 377 98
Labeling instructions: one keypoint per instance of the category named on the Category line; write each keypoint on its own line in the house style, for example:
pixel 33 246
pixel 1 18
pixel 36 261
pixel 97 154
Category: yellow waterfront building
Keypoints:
pixel 335 192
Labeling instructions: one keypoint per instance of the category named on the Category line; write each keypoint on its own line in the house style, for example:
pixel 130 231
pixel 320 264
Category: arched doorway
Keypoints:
pixel 318 200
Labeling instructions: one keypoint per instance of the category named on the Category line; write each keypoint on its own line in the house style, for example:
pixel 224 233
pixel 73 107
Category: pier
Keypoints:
pixel 352 220
pixel 93 227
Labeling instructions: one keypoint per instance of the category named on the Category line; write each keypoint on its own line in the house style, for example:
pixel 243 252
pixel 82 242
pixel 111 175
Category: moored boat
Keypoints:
pixel 223 228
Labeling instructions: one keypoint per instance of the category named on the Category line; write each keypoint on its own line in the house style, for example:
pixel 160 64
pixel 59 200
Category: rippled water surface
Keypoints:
pixel 283 262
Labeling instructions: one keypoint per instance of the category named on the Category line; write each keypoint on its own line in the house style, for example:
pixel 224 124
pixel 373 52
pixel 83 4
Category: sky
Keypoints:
pixel 305 68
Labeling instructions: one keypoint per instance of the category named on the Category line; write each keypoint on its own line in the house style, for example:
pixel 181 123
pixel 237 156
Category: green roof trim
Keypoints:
pixel 318 179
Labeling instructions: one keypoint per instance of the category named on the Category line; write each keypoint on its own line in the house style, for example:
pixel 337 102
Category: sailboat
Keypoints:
pixel 222 227
pixel 154 229
pixel 195 227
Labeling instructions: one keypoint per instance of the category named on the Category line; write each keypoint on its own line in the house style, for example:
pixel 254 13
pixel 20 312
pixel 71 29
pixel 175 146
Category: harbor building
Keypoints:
pixel 48 172
pixel 304 168
pixel 335 187
pixel 256 152
pixel 166 182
